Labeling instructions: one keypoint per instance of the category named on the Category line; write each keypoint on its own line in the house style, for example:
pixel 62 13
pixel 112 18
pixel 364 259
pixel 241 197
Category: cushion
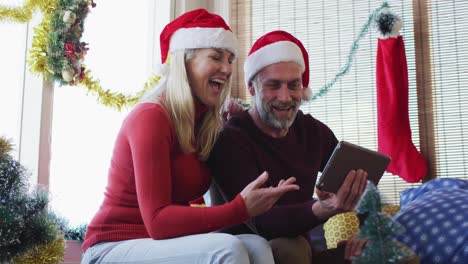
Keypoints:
pixel 391 209
pixel 342 226
pixel 435 216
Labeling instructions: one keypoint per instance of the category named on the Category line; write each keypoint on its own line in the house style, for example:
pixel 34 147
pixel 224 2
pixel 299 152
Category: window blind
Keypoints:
pixel 449 59
pixel 328 28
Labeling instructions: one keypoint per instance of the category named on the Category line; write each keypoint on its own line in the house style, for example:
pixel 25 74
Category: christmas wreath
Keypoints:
pixel 64 48
pixel 58 52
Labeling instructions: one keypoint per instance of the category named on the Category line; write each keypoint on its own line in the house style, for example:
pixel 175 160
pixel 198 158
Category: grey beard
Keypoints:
pixel 270 120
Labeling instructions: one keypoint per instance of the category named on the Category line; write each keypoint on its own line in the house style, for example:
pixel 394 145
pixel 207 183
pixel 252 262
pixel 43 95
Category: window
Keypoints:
pixel 328 30
pixel 449 59
pixel 12 67
pixel 83 131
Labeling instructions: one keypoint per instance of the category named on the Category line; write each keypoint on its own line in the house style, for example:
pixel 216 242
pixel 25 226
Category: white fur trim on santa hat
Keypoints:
pixel 307 94
pixel 280 51
pixel 197 38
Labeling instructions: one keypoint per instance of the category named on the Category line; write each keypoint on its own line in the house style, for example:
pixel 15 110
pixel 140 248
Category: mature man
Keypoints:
pixel 275 136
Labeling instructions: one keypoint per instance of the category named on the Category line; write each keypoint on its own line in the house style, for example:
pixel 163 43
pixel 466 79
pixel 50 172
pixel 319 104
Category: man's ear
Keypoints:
pixel 251 88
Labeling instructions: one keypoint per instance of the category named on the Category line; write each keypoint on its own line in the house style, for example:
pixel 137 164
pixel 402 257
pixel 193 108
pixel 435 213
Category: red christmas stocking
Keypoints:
pixel 394 133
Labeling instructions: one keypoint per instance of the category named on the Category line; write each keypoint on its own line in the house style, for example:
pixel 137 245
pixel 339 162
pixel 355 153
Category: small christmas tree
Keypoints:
pixel 379 229
pixel 25 222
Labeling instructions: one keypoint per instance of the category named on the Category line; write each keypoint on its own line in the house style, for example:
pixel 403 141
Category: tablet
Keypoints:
pixel 346 157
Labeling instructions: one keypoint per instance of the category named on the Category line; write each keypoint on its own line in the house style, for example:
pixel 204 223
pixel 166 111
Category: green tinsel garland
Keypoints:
pixel 381 20
pixel 351 54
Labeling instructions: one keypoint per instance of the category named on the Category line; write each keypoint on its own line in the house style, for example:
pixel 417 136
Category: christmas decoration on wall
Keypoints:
pixel 380 230
pixel 394 133
pixel 372 21
pixel 352 52
pixel 26 225
pixel 62 44
pixel 57 52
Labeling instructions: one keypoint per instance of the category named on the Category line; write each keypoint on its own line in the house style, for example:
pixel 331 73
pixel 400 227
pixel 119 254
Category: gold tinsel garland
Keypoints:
pixel 113 99
pixel 38 54
pixel 24 14
pixel 5 146
pixel 48 253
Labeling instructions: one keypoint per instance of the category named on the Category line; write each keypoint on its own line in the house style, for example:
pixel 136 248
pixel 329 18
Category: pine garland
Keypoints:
pixel 64 49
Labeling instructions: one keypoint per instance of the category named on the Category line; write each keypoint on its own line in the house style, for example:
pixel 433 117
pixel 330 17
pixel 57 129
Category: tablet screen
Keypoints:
pixel 346 157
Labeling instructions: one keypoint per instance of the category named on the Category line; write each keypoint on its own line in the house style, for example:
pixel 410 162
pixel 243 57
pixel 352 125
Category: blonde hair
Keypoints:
pixel 178 100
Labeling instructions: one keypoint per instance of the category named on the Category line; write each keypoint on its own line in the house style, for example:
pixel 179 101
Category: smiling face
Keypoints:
pixel 278 95
pixel 208 72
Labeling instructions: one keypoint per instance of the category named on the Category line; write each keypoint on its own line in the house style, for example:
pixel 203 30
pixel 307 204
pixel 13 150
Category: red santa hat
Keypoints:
pixel 197 29
pixel 273 47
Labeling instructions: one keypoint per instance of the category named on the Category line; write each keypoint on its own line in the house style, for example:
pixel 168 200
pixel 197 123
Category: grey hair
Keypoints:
pixel 256 85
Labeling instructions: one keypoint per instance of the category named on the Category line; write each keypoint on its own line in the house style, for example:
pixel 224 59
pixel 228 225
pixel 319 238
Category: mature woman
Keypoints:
pixel 158 165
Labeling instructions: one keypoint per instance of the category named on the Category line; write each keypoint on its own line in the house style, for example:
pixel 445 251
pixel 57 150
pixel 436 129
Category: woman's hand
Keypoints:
pixel 345 200
pixel 259 200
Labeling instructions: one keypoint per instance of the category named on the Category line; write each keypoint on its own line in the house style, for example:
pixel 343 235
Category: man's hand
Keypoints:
pixel 259 200
pixel 345 200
